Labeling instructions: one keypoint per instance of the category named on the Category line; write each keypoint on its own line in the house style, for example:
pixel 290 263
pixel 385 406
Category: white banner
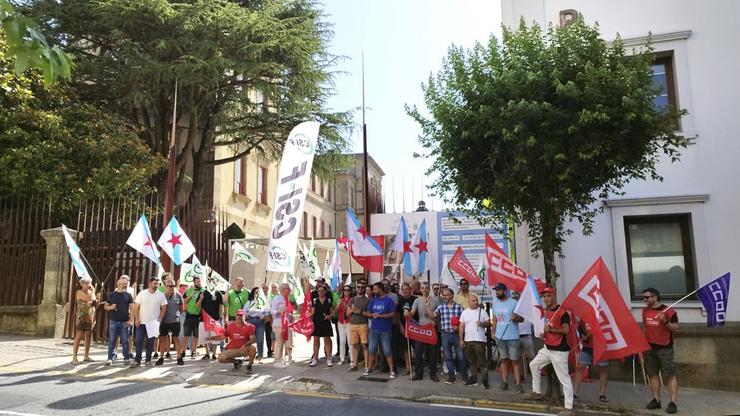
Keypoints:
pixel 293 177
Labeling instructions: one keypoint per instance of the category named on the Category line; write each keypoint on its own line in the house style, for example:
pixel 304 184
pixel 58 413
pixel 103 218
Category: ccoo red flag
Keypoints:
pixel 597 301
pixel 423 333
pixel 460 265
pixel 502 270
pixel 304 325
pixel 211 324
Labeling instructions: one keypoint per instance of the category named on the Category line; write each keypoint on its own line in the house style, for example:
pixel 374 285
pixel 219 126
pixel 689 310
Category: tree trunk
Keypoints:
pixel 549 242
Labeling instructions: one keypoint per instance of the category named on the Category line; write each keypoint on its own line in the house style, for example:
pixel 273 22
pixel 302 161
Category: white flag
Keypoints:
pixel 447 278
pixel 75 254
pixel 313 260
pixel 175 243
pixel 217 282
pixel 293 177
pixel 296 287
pixel 241 253
pixel 141 240
pixel 530 307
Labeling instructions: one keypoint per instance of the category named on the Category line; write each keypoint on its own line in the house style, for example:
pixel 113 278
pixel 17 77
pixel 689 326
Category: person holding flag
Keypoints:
pixel 586 359
pixel 241 342
pixel 555 352
pixel 506 330
pixel 424 307
pixel 257 313
pixel 85 307
pixel 659 322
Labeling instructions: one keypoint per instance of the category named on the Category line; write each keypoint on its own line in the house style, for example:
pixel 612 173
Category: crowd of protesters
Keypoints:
pixel 366 324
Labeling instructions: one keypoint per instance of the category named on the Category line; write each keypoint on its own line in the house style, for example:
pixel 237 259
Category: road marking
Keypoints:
pixel 315 394
pixel 491 409
pixel 5 412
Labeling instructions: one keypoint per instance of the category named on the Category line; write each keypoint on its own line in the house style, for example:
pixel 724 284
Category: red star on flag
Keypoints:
pixel 407 246
pixel 175 240
pixel 149 242
pixel 362 231
pixel 422 246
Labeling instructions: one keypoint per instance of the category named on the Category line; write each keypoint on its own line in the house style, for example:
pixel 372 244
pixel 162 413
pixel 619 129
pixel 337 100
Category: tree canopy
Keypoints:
pixel 247 72
pixel 538 127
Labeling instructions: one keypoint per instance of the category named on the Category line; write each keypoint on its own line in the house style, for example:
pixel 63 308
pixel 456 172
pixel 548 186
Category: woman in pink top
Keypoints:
pixel 343 322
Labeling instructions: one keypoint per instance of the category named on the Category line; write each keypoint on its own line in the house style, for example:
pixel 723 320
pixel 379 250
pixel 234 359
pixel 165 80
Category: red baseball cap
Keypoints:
pixel 547 290
pixel 239 312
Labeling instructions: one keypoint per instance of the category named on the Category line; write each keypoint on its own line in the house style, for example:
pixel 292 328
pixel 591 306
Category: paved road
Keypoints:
pixel 44 394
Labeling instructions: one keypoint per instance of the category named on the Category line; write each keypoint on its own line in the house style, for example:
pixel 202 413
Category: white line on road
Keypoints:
pixel 490 409
pixel 5 412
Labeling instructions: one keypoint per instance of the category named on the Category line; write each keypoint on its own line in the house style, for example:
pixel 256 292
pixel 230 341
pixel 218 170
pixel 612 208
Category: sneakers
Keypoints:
pixel 393 375
pixel 416 377
pixel 434 378
pixel 180 361
pixel 160 361
pixel 329 363
pixel 486 386
pixel 147 363
pixel 472 381
pixel 237 364
pixel 213 357
pixel 654 404
pixel 280 365
pixel 109 362
pixel 126 362
pixel 352 367
pixel 205 357
pixel 167 355
pixel 366 372
pixel 314 362
pixel 135 364
pixel 450 379
pixel 156 355
pixel 249 368
pixel 534 396
pixel 503 386
pixel 519 389
pixel 192 354
pixel 671 408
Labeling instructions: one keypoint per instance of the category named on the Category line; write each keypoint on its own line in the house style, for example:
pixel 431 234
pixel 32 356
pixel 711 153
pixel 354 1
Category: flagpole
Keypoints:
pixel 408 351
pixel 364 151
pixel 680 300
pixel 170 195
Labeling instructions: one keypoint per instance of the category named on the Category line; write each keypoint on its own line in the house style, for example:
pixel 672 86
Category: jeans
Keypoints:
pixel 259 333
pixel 382 338
pixel 140 336
pixel 118 329
pixel 430 350
pixel 450 343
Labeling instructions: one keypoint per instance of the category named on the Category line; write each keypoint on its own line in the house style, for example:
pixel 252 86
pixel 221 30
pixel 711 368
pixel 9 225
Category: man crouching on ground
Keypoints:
pixel 241 343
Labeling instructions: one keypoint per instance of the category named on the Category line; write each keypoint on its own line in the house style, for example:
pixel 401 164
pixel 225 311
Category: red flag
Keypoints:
pixel 597 301
pixel 502 270
pixel 211 324
pixel 304 325
pixel 372 263
pixel 422 333
pixel 460 265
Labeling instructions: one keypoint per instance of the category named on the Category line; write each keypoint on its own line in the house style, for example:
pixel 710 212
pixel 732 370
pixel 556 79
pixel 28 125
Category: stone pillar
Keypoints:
pixel 51 312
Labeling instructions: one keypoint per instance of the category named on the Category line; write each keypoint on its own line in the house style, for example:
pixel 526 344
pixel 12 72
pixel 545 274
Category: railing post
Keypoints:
pixel 51 312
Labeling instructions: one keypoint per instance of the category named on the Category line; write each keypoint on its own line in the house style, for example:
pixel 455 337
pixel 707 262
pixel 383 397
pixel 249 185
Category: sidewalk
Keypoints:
pixel 47 357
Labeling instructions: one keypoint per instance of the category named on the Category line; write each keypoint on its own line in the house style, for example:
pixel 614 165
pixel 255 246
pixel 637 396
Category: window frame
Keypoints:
pixel 313 226
pixel 240 186
pixel 665 58
pixel 305 225
pixel 687 243
pixel 261 185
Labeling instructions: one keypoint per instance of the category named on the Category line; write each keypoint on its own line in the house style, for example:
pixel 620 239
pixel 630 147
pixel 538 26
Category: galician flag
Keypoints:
pixel 336 267
pixel 175 243
pixel 422 250
pixel 360 242
pixel 530 307
pixel 402 244
pixel 75 254
pixel 242 254
pixel 141 240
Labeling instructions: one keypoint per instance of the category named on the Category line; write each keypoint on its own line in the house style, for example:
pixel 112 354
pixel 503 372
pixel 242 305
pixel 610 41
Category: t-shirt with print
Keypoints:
pixel 122 300
pixel 237 300
pixel 174 305
pixel 359 302
pixel 381 306
pixel 191 308
pixel 421 309
pixel 470 318
pixel 149 305
pixel 238 335
pixel 506 329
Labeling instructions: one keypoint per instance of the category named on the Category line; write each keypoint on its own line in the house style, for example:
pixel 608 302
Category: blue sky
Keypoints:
pixel 403 42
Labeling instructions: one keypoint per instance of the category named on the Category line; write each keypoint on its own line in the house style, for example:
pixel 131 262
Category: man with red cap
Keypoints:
pixel 241 342
pixel 555 352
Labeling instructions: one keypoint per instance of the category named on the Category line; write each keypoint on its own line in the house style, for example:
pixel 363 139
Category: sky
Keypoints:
pixel 403 42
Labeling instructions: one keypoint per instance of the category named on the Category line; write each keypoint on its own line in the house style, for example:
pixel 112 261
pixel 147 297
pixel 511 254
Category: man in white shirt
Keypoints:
pixel 473 324
pixel 149 307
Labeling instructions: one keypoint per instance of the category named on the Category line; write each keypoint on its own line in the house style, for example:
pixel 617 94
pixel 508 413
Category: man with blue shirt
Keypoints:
pixel 506 328
pixel 118 305
pixel 381 310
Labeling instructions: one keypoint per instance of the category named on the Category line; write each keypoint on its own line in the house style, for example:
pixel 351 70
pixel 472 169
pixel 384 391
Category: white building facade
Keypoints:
pixel 678 234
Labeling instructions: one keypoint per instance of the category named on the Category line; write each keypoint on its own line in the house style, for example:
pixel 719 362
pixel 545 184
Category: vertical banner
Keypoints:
pixel 293 177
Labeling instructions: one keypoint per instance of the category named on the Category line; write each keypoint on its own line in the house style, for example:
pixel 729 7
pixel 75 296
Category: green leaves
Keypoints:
pixel 539 126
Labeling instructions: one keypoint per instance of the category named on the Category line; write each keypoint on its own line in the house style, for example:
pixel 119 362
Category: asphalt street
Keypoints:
pixel 52 394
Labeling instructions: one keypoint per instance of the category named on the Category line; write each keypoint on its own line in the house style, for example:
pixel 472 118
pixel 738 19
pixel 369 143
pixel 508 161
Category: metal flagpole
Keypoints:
pixel 170 195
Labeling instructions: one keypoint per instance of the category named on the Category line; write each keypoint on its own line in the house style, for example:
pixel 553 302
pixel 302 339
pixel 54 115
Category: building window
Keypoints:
pixel 328 193
pixel 240 176
pixel 660 254
pixel 313 183
pixel 305 225
pixel 663 80
pixel 262 185
pixel 321 230
pixel 314 228
pixel 331 233
pixel 321 187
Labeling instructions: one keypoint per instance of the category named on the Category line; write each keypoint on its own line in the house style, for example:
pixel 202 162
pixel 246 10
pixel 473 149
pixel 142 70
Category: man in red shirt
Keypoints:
pixel 241 342
pixel 659 323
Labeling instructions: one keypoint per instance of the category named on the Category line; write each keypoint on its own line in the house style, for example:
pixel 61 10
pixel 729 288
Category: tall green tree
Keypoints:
pixel 539 127
pixel 247 72
pixel 54 146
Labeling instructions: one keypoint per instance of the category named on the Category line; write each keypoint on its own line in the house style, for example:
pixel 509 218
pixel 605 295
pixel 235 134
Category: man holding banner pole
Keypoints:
pixel 659 323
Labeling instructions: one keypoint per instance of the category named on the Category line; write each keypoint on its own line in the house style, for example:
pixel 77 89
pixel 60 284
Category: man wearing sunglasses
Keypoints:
pixel 659 323
pixel 462 297
pixel 358 330
pixel 171 324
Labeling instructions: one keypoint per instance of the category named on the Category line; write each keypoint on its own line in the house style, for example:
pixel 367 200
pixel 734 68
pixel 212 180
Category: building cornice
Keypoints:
pixel 654 38
pixel 657 200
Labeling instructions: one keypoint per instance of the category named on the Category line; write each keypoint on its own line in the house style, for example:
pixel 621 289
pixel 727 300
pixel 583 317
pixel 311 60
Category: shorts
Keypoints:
pixel 527 345
pixel 190 329
pixel 358 333
pixel 660 359
pixel 382 338
pixel 508 349
pixel 237 352
pixel 171 328
pixel 586 357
